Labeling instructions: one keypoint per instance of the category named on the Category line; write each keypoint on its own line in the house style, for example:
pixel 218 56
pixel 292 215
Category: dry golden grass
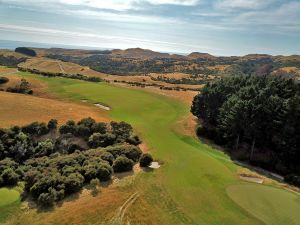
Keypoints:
pixel 290 69
pixel 19 109
pixel 171 75
pixel 148 80
pixel 40 89
pixel 58 66
pixel 218 67
pixel 83 208
pixel 4 70
pixel 8 53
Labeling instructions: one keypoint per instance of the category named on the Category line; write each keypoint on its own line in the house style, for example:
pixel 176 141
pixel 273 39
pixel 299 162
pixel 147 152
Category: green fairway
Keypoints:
pixel 271 205
pixel 190 188
pixel 9 199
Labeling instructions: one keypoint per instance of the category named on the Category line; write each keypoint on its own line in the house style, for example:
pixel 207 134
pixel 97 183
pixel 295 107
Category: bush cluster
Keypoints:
pixel 3 80
pixel 23 88
pixel 66 75
pixel 57 161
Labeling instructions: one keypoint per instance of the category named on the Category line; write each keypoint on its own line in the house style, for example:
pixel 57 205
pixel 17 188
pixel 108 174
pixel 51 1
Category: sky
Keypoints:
pixel 218 27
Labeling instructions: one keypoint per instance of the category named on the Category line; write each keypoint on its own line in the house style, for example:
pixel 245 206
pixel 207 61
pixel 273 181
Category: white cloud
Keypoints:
pixel 119 5
pixel 242 4
pixel 110 16
pixel 93 39
pixel 287 14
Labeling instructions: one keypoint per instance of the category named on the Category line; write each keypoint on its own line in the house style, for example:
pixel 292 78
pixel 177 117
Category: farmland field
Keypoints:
pixel 191 186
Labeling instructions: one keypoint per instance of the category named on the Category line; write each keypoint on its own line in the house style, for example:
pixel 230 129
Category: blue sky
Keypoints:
pixel 219 27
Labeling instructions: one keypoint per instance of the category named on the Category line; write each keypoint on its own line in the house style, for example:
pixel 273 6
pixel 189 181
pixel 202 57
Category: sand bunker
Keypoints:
pixel 253 179
pixel 154 165
pixel 102 106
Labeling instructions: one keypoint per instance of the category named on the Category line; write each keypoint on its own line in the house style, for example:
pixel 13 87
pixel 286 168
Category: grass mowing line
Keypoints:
pixel 193 178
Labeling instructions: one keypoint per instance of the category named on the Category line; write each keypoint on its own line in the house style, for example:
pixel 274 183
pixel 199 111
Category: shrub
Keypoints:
pixel 101 140
pixel 132 152
pixel 3 80
pixel 36 128
pixel 74 182
pixel 68 129
pixel 82 131
pixel 134 140
pixel 108 157
pixel 122 130
pixel 146 160
pixel 23 88
pixel 99 128
pixel 44 148
pixel 46 199
pixel 95 183
pixel 122 164
pixel 10 177
pixel 52 124
pixel 104 171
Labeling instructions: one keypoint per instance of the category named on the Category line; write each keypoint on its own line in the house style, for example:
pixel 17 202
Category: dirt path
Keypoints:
pixel 118 218
pixel 61 67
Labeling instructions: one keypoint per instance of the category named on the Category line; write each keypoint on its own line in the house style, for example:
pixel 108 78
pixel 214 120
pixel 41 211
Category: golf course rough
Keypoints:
pixel 192 185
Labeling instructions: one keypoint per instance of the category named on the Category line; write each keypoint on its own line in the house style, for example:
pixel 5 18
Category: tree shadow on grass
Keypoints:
pixel 147 169
pixel 123 175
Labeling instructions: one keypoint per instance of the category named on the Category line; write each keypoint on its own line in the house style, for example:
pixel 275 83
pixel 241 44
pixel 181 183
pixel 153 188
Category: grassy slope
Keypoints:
pixel 190 188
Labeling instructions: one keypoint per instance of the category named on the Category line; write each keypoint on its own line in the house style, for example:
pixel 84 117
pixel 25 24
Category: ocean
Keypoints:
pixel 11 45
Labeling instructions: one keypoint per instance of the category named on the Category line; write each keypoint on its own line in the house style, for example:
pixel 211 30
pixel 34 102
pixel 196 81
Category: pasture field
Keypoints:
pixel 5 70
pixel 57 66
pixel 191 185
pixel 19 109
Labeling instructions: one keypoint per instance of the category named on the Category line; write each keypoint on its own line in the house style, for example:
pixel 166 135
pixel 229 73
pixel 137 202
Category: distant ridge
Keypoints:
pixel 199 55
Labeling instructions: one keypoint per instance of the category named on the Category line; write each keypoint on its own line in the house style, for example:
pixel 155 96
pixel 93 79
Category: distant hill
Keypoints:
pixel 138 61
pixel 198 55
pixel 11 58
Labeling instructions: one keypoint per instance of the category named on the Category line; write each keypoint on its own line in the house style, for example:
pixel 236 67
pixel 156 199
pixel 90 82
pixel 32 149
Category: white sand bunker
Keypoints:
pixel 154 165
pixel 83 100
pixel 253 179
pixel 102 106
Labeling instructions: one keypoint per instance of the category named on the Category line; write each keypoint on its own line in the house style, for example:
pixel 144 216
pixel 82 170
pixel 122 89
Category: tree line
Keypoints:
pixel 66 75
pixel 54 162
pixel 257 118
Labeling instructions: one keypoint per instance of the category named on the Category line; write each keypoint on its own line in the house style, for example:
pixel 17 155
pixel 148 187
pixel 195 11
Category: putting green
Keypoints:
pixel 9 202
pixel 270 205
pixel 8 196
pixel 190 188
